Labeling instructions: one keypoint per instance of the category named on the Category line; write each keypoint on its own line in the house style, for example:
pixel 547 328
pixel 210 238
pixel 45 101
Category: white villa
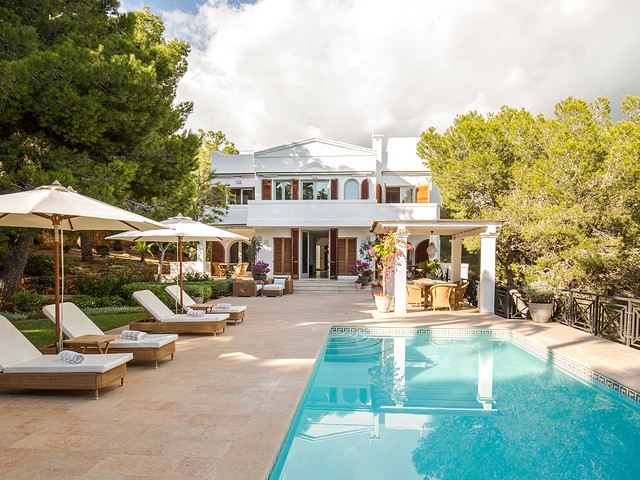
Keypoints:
pixel 315 202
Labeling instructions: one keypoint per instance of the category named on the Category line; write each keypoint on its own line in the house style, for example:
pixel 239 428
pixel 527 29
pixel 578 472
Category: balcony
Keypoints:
pixel 326 213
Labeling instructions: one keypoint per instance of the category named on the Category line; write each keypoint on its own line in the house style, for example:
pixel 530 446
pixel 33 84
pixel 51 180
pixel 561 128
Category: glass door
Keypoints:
pixel 305 254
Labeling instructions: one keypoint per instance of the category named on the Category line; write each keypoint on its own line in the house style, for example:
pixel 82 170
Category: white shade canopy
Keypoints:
pixel 179 228
pixel 41 207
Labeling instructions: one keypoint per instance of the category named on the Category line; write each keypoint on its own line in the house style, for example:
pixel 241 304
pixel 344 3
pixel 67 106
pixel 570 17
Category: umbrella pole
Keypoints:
pixel 56 277
pixel 180 269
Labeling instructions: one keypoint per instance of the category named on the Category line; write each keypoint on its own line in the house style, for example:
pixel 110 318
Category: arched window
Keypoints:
pixel 238 252
pixel 351 188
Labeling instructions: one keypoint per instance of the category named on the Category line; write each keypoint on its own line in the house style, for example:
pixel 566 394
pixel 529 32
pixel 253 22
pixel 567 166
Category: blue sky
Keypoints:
pixel 271 72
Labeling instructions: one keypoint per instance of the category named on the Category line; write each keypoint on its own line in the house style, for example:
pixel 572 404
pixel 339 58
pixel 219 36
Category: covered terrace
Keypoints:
pixel 487 230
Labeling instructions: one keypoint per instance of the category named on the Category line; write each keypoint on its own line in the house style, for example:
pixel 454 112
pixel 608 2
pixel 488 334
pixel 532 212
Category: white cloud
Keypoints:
pixel 282 70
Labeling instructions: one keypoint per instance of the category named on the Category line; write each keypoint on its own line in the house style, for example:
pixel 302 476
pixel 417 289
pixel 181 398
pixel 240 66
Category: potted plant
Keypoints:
pixel 540 296
pixel 363 271
pixel 260 270
pixel 385 252
pixel 431 268
pixel 359 283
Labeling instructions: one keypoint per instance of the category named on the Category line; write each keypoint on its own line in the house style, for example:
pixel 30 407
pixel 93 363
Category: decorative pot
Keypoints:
pixel 375 290
pixel 198 299
pixel 541 312
pixel 260 276
pixel 383 303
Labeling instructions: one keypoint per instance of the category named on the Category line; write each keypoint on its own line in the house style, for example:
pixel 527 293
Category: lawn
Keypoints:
pixel 41 332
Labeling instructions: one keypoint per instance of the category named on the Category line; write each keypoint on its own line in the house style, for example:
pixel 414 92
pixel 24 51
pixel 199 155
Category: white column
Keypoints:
pixel 201 256
pixel 399 359
pixel 400 274
pixel 456 258
pixel 487 272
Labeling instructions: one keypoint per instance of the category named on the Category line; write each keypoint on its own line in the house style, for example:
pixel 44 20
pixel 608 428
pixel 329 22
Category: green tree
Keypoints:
pixel 87 95
pixel 566 187
pixel 211 196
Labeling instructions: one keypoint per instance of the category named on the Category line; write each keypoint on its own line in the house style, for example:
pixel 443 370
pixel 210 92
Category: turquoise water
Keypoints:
pixel 426 408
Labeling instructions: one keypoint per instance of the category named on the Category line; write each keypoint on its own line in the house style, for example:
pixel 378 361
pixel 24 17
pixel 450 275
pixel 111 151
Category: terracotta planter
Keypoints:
pixel 541 312
pixel 383 303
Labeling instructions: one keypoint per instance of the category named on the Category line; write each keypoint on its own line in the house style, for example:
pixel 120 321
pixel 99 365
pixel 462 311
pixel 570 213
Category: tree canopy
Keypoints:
pixel 567 188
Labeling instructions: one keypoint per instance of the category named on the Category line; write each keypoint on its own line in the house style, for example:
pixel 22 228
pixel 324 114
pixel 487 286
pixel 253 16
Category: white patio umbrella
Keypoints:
pixel 54 206
pixel 179 228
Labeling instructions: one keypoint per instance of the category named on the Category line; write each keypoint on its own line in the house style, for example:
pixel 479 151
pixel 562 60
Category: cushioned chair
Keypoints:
pixel 415 295
pixel 246 287
pixel 75 324
pixel 236 312
pixel 165 321
pixel 217 270
pixel 441 295
pixel 23 366
pixel 285 281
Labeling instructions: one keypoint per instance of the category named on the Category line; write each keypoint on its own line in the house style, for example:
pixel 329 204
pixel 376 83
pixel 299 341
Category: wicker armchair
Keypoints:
pixel 415 295
pixel 247 287
pixel 216 270
pixel 458 294
pixel 441 295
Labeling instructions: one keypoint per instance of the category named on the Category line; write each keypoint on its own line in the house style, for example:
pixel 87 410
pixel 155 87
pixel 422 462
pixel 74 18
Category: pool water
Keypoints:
pixel 432 407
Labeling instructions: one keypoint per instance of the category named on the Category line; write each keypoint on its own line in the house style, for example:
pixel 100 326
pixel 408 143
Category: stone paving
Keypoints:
pixel 222 407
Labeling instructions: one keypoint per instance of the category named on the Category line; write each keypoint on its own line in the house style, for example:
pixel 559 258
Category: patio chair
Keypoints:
pixel 285 281
pixel 520 307
pixel 458 294
pixel 441 295
pixel 23 366
pixel 217 270
pixel 415 296
pixel 242 270
pixel 76 324
pixel 236 312
pixel 165 321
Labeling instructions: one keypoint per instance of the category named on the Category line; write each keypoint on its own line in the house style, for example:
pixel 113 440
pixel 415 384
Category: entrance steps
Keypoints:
pixel 324 285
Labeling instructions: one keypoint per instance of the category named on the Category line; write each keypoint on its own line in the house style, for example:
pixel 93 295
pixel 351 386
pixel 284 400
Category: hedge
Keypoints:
pixel 209 289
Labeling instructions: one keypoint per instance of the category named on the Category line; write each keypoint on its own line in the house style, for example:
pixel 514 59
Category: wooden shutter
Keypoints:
pixel 295 236
pixel 282 256
pixel 266 189
pixel 217 252
pixel 422 194
pixel 378 193
pixel 364 189
pixel 295 189
pixel 333 253
pixel 334 189
pixel 346 255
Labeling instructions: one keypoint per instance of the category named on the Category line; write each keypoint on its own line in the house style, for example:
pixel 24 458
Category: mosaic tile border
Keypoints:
pixel 535 348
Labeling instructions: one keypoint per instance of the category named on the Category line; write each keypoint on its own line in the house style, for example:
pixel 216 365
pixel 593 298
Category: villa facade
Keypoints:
pixel 312 203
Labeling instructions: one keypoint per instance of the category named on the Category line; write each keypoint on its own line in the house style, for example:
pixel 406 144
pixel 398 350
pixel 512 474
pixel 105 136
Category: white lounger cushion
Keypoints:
pixel 17 354
pixel 273 286
pixel 174 292
pixel 162 313
pixel 54 364
pixel 75 324
pixel 232 309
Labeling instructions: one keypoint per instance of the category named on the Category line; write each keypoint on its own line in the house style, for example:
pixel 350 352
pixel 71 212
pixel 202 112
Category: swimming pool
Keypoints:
pixel 387 403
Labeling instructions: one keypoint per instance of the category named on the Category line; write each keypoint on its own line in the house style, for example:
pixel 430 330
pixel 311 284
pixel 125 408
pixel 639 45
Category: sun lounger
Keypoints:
pixel 23 366
pixel 165 321
pixel 236 312
pixel 151 349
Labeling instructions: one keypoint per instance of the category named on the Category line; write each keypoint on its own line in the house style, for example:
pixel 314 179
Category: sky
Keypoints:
pixel 272 72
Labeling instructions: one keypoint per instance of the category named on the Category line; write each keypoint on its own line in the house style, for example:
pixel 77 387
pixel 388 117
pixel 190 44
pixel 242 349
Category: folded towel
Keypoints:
pixel 71 357
pixel 224 306
pixel 195 313
pixel 134 335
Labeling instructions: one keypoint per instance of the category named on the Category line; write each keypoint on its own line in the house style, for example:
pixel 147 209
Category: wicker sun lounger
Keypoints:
pixel 22 366
pixel 151 349
pixel 165 321
pixel 236 312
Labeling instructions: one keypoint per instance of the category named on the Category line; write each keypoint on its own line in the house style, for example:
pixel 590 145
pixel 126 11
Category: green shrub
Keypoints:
pixel 155 287
pixel 28 301
pixel 108 283
pixel 38 264
pixel 209 289
pixel 41 284
pixel 86 301
pixel 198 290
pixel 195 277
pixel 103 249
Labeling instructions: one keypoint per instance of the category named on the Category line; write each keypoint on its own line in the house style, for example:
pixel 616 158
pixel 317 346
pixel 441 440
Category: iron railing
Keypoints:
pixel 614 318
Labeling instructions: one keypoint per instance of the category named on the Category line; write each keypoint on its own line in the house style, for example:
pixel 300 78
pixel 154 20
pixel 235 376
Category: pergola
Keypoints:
pixel 487 230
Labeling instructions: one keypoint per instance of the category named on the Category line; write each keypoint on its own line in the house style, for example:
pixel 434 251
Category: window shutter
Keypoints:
pixel 294 252
pixel 334 189
pixel 217 252
pixel 422 194
pixel 378 193
pixel 333 253
pixel 364 189
pixel 266 189
pixel 295 188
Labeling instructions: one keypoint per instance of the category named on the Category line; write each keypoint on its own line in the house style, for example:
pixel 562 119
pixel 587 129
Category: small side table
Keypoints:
pixel 99 342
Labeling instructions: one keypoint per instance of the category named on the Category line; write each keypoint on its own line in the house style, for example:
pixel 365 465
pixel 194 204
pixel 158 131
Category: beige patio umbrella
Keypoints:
pixel 179 228
pixel 54 206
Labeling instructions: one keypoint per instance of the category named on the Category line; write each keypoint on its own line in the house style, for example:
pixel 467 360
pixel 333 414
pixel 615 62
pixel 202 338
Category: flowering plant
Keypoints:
pixel 361 269
pixel 260 268
pixel 388 249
